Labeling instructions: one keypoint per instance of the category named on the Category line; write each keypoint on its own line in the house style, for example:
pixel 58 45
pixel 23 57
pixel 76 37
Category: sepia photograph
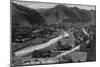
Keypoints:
pixel 52 33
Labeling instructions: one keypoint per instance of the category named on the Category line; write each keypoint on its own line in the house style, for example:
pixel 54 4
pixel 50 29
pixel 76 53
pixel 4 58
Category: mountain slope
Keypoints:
pixel 24 20
pixel 62 13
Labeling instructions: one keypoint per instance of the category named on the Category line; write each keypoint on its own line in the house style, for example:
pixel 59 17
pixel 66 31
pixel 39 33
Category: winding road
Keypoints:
pixel 30 49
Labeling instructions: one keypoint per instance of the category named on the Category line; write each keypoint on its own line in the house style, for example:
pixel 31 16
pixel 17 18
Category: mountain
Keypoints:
pixel 31 15
pixel 24 20
pixel 64 14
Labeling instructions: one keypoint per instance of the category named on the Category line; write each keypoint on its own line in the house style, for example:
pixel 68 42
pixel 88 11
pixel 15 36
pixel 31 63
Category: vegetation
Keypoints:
pixel 32 27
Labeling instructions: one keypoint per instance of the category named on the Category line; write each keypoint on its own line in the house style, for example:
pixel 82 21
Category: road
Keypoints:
pixel 30 49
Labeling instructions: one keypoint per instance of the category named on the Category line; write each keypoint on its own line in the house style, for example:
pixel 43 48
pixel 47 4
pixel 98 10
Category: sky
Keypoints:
pixel 37 5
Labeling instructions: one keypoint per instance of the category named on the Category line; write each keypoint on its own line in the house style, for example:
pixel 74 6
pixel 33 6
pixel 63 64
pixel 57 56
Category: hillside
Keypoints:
pixel 64 14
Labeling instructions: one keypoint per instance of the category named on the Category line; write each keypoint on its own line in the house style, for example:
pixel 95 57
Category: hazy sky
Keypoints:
pixel 37 5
